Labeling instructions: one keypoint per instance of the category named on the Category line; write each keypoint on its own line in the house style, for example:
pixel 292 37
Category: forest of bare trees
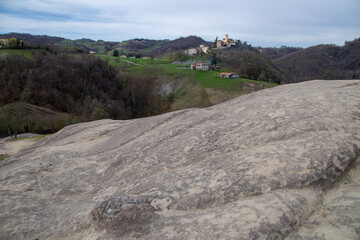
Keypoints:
pixel 84 86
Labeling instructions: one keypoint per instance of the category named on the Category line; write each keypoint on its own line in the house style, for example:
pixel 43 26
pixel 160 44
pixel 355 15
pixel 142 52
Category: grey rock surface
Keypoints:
pixel 281 163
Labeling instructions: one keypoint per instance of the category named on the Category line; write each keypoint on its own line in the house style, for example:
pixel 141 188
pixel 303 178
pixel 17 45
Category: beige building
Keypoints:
pixel 4 42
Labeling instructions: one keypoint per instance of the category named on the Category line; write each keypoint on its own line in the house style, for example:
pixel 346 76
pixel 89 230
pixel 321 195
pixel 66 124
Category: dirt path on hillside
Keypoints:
pixel 129 62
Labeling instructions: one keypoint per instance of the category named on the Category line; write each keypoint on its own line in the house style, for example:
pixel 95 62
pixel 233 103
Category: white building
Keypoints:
pixel 200 66
pixel 191 51
pixel 204 48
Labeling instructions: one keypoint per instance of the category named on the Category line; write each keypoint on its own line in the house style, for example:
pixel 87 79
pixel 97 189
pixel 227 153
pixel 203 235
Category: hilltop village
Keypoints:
pixel 195 59
pixel 204 49
pixel 220 44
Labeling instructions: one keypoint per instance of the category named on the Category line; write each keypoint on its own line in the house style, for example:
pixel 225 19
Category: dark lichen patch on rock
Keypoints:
pixel 123 214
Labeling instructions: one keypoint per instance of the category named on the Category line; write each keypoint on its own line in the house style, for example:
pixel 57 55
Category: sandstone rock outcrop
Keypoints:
pixel 281 163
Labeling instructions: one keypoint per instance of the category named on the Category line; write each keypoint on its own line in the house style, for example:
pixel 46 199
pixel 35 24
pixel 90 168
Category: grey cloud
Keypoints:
pixel 260 22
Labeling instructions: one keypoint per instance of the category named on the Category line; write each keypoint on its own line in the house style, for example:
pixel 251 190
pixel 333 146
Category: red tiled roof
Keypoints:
pixel 225 73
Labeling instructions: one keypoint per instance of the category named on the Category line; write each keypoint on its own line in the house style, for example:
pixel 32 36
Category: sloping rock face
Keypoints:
pixel 279 163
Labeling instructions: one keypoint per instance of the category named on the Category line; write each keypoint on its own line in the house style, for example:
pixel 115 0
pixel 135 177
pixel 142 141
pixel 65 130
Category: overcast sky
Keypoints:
pixel 259 22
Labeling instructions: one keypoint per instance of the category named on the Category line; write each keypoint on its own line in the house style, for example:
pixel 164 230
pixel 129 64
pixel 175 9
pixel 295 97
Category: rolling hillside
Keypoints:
pixel 33 39
pixel 322 62
pixel 134 46
pixel 22 117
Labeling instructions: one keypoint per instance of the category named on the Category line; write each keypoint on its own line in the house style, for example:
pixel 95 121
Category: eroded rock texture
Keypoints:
pixel 279 163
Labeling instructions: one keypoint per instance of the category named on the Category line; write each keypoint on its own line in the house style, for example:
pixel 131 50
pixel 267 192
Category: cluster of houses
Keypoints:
pixel 204 66
pixel 11 42
pixel 226 42
pixel 195 51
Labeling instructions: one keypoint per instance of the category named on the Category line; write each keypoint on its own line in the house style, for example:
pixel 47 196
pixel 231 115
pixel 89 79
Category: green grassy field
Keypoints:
pixel 145 61
pixel 113 61
pixel 209 79
pixel 162 67
pixel 122 61
pixel 25 52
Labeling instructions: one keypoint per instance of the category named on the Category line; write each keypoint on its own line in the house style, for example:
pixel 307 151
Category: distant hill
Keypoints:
pixel 285 65
pixel 250 63
pixel 137 44
pixel 274 53
pixel 99 46
pixel 322 62
pixel 33 39
pixel 133 46
pixel 181 44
